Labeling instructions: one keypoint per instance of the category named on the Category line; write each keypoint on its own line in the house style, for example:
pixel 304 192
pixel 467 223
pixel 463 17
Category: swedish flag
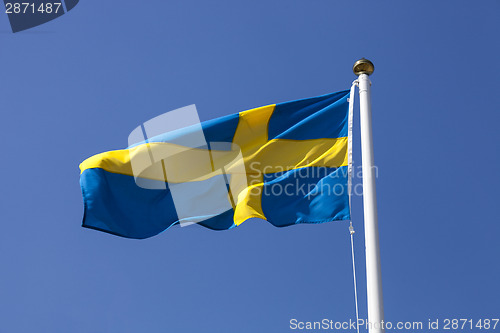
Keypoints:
pixel 285 163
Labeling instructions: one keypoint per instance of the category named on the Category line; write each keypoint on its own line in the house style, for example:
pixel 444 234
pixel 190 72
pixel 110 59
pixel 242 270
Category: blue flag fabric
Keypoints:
pixel 285 163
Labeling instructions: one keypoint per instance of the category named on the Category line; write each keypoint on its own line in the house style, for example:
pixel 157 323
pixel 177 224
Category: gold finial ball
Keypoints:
pixel 363 66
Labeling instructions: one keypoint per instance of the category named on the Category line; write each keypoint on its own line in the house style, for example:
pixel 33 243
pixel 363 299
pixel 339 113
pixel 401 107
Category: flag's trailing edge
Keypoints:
pixel 295 155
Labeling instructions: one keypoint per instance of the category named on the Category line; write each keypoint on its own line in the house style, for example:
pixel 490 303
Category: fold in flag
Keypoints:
pixel 285 163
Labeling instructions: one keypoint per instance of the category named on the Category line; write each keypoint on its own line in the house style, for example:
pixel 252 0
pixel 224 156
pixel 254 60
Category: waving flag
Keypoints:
pixel 285 163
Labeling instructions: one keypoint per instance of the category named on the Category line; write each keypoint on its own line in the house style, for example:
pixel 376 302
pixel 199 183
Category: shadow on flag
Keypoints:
pixel 26 14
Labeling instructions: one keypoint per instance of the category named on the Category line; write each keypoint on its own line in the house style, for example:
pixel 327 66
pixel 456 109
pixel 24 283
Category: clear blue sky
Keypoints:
pixel 78 85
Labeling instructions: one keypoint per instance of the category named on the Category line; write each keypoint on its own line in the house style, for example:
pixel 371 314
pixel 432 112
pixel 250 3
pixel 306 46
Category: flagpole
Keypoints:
pixel 363 68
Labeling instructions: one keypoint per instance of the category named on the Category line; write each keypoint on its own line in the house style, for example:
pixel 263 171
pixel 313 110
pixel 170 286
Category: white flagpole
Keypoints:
pixel 363 68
